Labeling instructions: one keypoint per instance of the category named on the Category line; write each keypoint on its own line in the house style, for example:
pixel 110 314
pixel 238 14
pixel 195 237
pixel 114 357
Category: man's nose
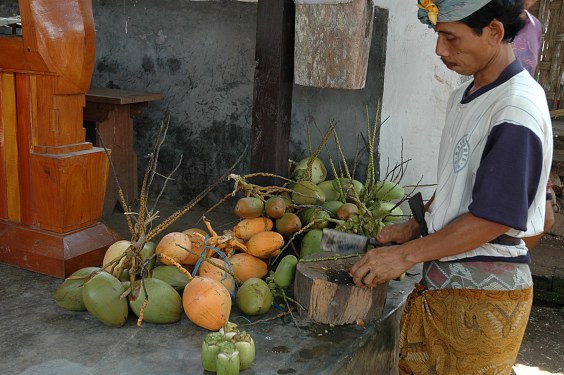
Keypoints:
pixel 441 49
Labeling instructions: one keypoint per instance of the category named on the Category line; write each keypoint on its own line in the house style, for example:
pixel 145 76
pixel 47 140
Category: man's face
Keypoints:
pixel 460 49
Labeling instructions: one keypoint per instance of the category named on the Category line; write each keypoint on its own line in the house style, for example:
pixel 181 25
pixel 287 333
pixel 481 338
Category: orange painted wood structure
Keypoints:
pixel 52 182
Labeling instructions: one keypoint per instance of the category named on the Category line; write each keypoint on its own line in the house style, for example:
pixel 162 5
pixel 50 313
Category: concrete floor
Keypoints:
pixel 39 338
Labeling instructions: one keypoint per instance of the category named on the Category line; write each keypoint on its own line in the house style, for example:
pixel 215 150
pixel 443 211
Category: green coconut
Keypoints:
pixel 318 170
pixel 306 192
pixel 389 191
pixel 311 243
pixel 254 297
pixel 172 276
pixel 102 298
pixel 147 253
pixel 164 306
pixel 69 294
pixel 332 206
pixel 319 218
pixel 394 216
pixel 383 208
pixel 331 194
pixel 348 185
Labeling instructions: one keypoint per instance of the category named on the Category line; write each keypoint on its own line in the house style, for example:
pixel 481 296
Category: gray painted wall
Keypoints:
pixel 200 55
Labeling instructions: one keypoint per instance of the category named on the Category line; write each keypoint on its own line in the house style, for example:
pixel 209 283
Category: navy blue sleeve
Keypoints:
pixel 508 177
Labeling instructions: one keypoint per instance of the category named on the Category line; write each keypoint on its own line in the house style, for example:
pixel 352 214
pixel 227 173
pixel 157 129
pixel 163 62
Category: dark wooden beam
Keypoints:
pixel 272 97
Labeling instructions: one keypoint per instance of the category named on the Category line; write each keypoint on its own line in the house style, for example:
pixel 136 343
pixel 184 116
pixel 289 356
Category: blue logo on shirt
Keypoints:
pixel 461 154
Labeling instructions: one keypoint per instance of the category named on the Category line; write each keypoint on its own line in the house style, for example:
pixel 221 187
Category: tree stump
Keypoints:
pixel 327 294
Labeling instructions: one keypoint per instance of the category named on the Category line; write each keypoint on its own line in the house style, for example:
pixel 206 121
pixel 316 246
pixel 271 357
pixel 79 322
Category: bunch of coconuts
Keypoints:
pixel 343 203
pixel 109 299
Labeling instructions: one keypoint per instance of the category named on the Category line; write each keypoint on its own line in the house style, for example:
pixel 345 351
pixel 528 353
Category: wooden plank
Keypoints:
pixel 3 180
pixel 23 110
pixel 272 96
pixel 117 96
pixel 10 123
pixel 324 29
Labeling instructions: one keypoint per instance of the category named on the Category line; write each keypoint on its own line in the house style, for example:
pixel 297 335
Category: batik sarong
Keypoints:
pixel 463 331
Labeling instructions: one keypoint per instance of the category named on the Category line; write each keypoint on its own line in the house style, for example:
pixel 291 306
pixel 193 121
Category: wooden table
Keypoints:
pixel 113 110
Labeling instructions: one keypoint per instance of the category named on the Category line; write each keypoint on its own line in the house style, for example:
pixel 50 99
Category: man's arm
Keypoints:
pixel 386 263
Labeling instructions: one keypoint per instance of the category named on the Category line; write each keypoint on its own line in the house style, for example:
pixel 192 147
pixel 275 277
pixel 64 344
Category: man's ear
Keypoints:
pixel 496 32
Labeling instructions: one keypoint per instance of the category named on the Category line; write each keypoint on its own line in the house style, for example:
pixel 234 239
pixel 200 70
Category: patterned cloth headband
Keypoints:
pixel 430 12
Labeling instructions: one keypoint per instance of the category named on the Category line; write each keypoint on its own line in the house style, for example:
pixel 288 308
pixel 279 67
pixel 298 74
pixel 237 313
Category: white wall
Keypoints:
pixel 416 89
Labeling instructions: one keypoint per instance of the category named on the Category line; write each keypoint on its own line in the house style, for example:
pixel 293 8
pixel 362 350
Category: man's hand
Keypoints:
pixel 379 265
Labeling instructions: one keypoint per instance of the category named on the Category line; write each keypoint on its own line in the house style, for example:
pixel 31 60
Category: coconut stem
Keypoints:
pixel 142 312
pixel 336 257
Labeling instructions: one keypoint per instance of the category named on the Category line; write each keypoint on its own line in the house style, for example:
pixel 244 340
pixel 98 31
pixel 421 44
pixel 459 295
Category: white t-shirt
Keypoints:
pixel 494 160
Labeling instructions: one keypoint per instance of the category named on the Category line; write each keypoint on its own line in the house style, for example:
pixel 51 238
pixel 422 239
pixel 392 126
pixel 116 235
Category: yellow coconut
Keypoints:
pixel 174 244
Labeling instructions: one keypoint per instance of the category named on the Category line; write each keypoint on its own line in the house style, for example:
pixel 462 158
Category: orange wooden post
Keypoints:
pixel 52 181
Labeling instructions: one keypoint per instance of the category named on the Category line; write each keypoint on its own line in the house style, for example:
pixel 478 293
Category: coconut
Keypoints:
pixel 164 304
pixel 102 298
pixel 69 294
pixel 249 207
pixel 318 170
pixel 331 194
pixel 348 185
pixel 288 224
pixel 319 218
pixel 311 243
pixel 114 251
pixel 332 206
pixel 275 206
pixel 174 244
pixel 147 253
pixel 254 297
pixel 389 191
pixel 306 192
pixel 207 269
pixel 172 276
pixel 347 210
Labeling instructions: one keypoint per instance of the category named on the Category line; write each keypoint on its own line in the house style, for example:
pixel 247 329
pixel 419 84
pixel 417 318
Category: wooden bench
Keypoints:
pixel 112 111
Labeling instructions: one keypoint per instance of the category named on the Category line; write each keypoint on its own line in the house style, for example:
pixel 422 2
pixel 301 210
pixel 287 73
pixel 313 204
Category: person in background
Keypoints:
pixel 527 42
pixel 526 46
pixel 469 313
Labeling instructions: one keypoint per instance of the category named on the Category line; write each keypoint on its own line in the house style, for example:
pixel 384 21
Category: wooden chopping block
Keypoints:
pixel 327 294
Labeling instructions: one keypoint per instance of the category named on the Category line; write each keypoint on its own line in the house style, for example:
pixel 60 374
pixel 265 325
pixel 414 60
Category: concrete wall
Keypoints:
pixel 201 56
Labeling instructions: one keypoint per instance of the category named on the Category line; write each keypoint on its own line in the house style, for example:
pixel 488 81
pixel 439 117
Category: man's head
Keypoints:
pixel 475 13
pixel 471 33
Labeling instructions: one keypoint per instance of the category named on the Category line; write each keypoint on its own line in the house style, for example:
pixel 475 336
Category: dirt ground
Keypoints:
pixel 542 350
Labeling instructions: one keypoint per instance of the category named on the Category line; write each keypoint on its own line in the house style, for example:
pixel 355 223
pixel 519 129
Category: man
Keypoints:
pixel 469 313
